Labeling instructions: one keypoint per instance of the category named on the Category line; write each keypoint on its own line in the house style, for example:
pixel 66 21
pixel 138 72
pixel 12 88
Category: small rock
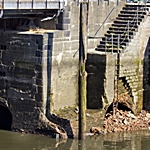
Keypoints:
pixel 76 110
pixel 22 130
pixel 96 130
pixel 148 115
pixel 88 115
pixel 130 115
pixel 124 121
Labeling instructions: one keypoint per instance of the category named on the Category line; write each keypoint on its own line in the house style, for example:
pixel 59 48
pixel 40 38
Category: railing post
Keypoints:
pixel 46 4
pixel 112 43
pixel 105 44
pixel 3 4
pixel 17 4
pixel 32 4
pixel 118 42
pixel 128 30
pixel 137 15
pixel 117 2
pixel 77 2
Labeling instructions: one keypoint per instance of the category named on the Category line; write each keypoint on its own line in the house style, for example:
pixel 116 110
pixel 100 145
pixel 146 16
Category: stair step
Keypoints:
pixel 129 18
pixel 108 50
pixel 114 43
pixel 132 12
pixel 136 4
pixel 140 8
pixel 126 21
pixel 124 25
pixel 132 29
pixel 131 15
pixel 116 39
pixel 120 32
pixel 116 36
pixel 109 46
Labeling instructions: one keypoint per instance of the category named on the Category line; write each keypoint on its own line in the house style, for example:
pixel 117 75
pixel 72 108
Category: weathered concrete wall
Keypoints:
pixel 65 57
pixel 64 72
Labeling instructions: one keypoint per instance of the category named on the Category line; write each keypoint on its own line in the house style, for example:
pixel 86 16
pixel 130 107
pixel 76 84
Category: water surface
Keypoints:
pixel 139 140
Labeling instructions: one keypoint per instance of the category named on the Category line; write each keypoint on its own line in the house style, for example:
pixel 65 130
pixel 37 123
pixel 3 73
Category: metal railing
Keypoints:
pixel 104 22
pixel 31 4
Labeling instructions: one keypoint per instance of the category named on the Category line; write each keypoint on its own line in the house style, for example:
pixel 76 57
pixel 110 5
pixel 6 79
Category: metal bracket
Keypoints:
pixel 53 17
pixel 1 14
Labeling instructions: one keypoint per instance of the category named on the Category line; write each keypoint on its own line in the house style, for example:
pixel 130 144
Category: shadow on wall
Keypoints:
pixel 96 68
pixel 146 78
pixel 5 118
pixel 57 120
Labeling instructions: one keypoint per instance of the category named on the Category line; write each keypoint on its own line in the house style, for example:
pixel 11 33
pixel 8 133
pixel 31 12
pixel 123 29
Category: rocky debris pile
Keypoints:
pixel 123 121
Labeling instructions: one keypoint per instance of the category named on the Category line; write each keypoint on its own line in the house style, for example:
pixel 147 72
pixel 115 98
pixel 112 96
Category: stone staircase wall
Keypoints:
pixel 131 67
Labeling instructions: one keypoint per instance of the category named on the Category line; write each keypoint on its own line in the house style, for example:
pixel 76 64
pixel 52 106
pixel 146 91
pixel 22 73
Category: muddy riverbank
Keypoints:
pixel 100 123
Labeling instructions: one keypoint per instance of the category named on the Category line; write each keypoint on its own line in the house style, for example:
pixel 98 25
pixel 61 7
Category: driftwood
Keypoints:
pixel 50 126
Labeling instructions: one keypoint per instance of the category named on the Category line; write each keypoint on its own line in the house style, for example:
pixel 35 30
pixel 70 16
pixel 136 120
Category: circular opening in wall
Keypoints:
pixel 120 107
pixel 5 118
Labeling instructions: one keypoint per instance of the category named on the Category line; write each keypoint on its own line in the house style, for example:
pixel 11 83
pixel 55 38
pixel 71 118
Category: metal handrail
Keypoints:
pixel 103 22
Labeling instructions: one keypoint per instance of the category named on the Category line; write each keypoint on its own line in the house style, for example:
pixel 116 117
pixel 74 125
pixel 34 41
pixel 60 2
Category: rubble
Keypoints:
pixel 123 121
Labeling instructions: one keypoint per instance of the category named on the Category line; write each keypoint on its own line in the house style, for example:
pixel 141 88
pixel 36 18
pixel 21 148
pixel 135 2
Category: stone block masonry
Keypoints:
pixel 35 78
pixel 23 75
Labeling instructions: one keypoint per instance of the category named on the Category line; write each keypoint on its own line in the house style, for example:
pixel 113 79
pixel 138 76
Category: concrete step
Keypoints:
pixel 125 39
pixel 109 50
pixel 120 32
pixel 138 4
pixel 124 25
pixel 123 28
pixel 109 46
pixel 135 8
pixel 126 22
pixel 131 15
pixel 132 12
pixel 116 36
pixel 122 43
pixel 129 18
